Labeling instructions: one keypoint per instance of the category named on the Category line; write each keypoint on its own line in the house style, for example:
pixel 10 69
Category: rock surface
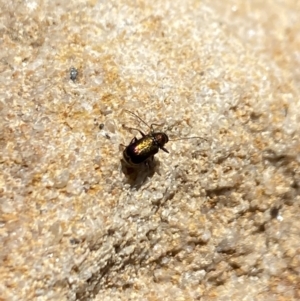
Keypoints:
pixel 215 219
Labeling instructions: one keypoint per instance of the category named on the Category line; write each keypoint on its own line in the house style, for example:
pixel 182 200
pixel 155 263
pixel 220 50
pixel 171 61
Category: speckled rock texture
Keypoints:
pixel 215 219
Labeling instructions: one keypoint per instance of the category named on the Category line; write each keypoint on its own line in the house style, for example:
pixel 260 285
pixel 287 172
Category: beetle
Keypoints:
pixel 143 149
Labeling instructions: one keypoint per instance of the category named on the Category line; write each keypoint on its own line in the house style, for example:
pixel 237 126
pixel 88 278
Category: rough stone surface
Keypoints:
pixel 215 219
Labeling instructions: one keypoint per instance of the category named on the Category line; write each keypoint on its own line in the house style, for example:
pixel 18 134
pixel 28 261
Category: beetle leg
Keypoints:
pixel 156 124
pixel 122 145
pixel 129 128
pixel 142 133
pixel 165 150
pixel 133 140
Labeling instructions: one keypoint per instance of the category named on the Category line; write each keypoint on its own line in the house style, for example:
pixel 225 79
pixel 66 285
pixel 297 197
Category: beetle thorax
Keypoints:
pixel 160 138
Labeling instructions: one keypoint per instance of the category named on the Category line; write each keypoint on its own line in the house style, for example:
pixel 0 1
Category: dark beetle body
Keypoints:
pixel 140 150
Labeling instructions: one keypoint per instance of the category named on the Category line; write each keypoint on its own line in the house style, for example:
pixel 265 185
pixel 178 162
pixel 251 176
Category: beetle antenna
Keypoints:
pixel 138 117
pixel 188 138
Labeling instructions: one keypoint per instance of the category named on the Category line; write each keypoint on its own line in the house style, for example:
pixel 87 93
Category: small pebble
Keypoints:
pixel 73 74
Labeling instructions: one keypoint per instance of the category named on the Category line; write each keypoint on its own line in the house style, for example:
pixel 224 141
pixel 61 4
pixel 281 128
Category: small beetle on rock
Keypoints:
pixel 141 150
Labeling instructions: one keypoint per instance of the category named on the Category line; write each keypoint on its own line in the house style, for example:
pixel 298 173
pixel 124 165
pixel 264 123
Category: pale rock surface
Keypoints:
pixel 215 219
